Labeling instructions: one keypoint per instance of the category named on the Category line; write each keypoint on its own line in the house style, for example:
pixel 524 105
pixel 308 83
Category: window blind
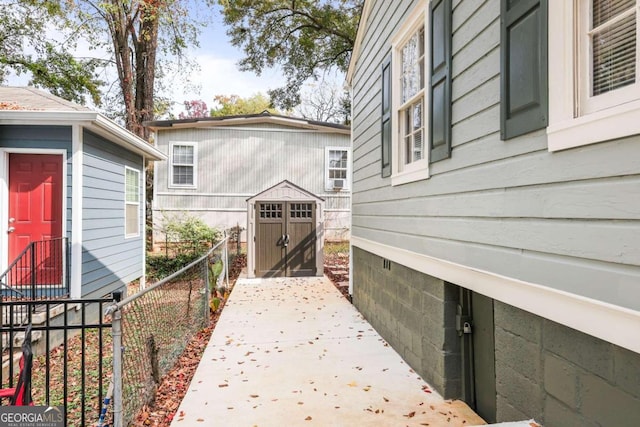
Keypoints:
pixel 613 43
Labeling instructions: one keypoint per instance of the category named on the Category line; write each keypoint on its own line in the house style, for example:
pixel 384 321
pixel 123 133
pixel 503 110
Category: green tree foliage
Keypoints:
pixel 303 37
pixel 26 47
pixel 145 41
pixel 233 105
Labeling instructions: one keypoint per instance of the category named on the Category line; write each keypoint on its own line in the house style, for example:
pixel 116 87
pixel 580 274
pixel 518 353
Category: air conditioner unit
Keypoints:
pixel 338 184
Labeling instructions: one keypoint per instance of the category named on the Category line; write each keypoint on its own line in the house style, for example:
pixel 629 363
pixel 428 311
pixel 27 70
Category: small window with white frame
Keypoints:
pixel 132 202
pixel 183 168
pixel 598 40
pixel 337 168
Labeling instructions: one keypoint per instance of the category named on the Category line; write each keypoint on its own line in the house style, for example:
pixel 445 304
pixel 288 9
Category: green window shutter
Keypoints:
pixel 440 87
pixel 524 98
pixel 386 118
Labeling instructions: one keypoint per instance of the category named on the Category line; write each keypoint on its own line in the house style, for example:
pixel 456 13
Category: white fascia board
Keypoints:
pixel 235 121
pixel 91 120
pixel 128 139
pixel 602 320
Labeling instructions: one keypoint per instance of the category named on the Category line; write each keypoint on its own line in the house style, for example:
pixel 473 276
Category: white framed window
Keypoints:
pixel 421 72
pixel 131 202
pixel 338 168
pixel 593 71
pixel 183 166
pixel 410 154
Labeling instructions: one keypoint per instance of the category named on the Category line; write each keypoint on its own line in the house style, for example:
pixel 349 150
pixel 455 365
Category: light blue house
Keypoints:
pixel 496 201
pixel 72 194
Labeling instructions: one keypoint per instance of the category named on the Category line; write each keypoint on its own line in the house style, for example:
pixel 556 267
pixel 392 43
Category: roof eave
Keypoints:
pixel 89 119
pixel 355 53
pixel 235 121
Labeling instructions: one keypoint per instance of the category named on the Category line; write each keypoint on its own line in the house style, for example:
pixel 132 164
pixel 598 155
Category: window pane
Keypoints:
pixel 604 10
pixel 417 145
pixel 132 185
pixel 131 219
pixel 413 65
pixel 614 56
pixel 183 154
pixel 183 175
pixel 413 132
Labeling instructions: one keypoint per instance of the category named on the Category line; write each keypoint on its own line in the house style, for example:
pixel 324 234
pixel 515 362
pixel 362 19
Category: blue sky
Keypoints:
pixel 218 71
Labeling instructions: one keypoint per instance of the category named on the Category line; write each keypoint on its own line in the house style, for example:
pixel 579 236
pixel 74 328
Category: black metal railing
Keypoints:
pixel 73 353
pixel 41 271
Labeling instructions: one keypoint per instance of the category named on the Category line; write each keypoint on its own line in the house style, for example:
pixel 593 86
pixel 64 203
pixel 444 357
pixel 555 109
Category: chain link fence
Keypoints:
pixel 153 327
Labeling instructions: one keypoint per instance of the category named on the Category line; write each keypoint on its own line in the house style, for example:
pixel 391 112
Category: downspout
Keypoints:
pixel 351 201
pixel 143 175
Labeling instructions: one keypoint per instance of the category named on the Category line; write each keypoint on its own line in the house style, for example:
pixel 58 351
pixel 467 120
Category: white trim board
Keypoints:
pixel 77 162
pixel 602 320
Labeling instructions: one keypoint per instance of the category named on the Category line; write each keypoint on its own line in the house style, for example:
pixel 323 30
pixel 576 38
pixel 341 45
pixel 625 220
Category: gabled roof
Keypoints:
pixel 264 117
pixel 285 190
pixel 30 106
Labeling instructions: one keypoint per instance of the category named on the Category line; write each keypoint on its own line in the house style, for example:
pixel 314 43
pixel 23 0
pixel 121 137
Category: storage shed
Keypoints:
pixel 285 232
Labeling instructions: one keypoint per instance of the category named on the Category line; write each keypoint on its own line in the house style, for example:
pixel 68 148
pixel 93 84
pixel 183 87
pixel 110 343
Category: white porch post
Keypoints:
pixel 76 212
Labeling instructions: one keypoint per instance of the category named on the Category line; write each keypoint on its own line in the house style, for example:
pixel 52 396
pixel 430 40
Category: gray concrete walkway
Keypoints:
pixel 294 352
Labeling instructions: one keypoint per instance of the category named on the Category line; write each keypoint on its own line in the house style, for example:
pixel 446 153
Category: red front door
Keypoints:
pixel 35 204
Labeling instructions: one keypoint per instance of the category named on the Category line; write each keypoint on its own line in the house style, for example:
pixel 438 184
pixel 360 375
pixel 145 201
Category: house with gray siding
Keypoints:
pixel 496 201
pixel 70 175
pixel 217 163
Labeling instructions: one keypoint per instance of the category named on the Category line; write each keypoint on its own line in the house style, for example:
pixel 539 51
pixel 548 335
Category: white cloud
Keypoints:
pixel 220 76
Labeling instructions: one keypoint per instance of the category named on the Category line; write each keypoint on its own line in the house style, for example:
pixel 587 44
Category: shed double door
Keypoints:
pixel 285 239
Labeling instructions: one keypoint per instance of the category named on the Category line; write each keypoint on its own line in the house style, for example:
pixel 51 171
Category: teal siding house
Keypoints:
pixel 71 184
pixel 496 201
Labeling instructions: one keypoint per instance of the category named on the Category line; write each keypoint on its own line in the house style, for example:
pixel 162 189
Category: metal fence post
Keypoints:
pixel 226 260
pixel 117 368
pixel 207 292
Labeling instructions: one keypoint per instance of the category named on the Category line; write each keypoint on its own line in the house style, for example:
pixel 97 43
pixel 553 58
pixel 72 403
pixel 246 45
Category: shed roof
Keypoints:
pixel 244 119
pixel 31 106
pixel 285 190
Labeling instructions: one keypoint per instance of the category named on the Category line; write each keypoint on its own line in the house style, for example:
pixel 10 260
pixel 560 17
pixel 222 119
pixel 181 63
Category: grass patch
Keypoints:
pixel 336 247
